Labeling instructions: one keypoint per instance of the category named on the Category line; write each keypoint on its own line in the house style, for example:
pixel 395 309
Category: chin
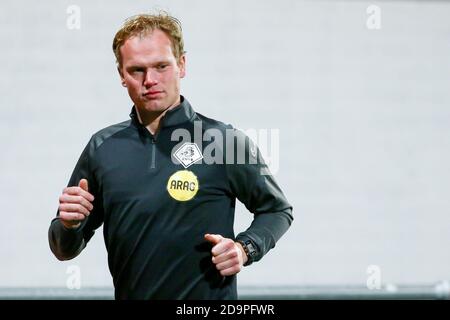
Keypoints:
pixel 154 106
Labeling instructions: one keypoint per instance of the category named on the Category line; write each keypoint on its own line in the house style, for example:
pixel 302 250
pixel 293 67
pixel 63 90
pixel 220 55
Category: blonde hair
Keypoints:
pixel 146 23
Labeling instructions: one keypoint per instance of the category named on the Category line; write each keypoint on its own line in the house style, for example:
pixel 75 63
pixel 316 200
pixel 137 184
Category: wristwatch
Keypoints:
pixel 250 251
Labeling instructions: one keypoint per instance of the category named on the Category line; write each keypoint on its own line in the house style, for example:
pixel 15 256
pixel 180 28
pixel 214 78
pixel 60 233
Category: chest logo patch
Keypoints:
pixel 188 154
pixel 182 185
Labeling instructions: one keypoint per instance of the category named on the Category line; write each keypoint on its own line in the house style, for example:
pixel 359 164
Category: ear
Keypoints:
pixel 182 66
pixel 121 76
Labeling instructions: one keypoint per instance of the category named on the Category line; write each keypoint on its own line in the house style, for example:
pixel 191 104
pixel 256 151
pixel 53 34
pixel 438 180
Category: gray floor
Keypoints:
pixel 431 292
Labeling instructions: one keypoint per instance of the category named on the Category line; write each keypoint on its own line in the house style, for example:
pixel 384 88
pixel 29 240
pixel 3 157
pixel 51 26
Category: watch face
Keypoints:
pixel 251 249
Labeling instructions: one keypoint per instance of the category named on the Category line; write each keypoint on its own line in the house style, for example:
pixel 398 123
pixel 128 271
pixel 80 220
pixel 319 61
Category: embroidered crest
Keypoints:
pixel 188 154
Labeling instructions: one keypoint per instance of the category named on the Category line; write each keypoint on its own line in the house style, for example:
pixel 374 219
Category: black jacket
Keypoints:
pixel 156 204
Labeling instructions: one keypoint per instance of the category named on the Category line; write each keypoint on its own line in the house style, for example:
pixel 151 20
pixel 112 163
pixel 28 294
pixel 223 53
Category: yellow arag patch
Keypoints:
pixel 182 185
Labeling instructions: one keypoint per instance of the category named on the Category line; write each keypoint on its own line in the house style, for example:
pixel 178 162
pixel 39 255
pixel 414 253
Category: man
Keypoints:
pixel 167 210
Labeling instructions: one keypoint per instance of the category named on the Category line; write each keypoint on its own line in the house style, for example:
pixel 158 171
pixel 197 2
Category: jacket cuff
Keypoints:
pixel 250 246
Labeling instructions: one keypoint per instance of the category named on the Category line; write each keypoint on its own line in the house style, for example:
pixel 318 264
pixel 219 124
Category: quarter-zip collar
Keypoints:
pixel 174 117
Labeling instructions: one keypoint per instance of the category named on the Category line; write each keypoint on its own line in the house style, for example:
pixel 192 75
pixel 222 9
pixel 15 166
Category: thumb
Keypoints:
pixel 213 238
pixel 83 184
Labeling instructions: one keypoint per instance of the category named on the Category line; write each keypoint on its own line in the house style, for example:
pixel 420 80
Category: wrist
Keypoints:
pixel 69 226
pixel 243 253
pixel 249 251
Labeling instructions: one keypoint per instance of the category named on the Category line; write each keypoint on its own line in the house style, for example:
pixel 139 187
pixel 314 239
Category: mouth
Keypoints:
pixel 152 93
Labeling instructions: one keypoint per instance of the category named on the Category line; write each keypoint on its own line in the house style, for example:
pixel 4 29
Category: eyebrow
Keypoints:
pixel 139 66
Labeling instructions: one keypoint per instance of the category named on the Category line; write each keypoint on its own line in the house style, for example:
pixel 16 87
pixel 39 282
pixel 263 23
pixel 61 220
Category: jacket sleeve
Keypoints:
pixel 252 183
pixel 68 243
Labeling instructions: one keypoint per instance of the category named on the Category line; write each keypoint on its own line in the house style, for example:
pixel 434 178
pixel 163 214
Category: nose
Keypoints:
pixel 150 79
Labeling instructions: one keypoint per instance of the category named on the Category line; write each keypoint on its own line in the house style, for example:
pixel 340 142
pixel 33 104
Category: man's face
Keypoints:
pixel 151 72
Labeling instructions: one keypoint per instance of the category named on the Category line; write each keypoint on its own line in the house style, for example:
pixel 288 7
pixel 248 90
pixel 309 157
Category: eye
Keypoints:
pixel 161 66
pixel 136 70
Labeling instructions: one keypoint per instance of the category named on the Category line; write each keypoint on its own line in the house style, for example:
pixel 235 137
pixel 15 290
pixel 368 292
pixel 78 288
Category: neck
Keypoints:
pixel 152 120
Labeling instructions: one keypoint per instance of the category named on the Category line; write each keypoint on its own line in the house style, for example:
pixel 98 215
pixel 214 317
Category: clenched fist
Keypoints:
pixel 75 204
pixel 228 256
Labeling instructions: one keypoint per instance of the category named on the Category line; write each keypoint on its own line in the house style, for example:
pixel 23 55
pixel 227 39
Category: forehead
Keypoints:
pixel 151 45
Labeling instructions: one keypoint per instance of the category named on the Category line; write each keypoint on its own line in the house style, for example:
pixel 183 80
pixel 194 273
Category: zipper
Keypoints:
pixel 153 162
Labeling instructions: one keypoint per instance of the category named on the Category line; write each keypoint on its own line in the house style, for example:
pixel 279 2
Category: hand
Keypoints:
pixel 228 256
pixel 75 205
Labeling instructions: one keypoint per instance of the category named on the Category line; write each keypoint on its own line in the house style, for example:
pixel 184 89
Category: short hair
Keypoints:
pixel 143 24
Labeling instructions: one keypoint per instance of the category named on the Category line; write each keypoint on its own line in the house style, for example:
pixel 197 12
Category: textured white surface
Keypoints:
pixel 363 118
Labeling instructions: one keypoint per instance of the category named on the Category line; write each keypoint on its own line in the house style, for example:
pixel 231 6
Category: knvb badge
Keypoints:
pixel 188 154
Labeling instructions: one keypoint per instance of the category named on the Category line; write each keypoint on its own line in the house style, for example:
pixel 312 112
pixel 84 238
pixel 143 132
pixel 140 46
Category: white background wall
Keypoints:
pixel 363 118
